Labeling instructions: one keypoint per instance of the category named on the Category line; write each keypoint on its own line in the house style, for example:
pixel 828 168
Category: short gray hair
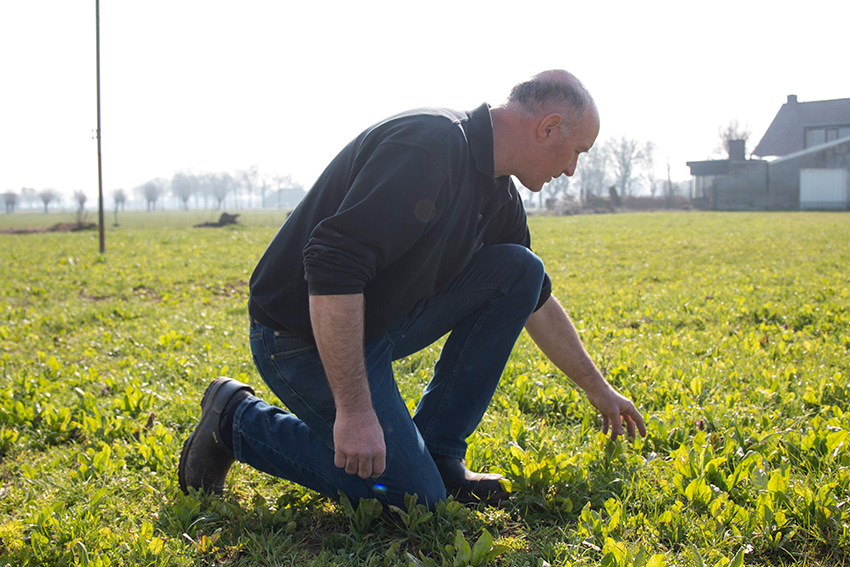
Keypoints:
pixel 564 95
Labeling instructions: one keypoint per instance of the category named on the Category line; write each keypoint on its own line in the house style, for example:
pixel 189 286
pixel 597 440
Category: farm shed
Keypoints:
pixel 804 136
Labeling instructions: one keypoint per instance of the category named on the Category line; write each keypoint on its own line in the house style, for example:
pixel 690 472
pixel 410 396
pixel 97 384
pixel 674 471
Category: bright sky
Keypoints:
pixel 211 85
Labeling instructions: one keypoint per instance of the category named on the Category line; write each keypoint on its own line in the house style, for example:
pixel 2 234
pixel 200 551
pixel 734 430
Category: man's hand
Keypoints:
pixel 553 331
pixel 616 411
pixel 359 446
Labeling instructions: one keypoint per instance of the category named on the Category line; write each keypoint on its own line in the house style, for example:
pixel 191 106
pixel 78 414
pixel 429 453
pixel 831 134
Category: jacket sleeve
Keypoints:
pixel 390 202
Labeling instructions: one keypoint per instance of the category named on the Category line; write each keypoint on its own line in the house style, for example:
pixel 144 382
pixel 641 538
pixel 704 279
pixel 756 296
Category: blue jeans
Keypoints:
pixel 484 308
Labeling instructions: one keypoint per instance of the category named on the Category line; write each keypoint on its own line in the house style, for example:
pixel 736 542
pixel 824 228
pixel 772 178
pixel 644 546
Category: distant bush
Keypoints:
pixel 646 203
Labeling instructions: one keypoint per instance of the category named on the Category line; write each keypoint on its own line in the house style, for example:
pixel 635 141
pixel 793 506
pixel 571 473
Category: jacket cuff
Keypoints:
pixel 545 291
pixel 316 288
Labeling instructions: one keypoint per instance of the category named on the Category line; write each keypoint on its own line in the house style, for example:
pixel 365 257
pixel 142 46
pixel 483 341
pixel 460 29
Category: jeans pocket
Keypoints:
pixel 287 345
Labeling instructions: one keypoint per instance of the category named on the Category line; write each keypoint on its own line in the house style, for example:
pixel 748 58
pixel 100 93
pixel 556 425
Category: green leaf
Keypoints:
pixel 697 558
pixel 738 560
pixel 481 549
pixel 156 545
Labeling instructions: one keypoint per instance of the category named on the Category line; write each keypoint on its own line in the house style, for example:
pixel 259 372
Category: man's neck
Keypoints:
pixel 506 127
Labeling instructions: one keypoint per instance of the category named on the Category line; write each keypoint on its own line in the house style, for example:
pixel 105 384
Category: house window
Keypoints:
pixel 701 188
pixel 816 136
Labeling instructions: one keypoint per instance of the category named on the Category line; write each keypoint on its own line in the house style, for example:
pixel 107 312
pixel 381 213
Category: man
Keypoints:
pixel 413 231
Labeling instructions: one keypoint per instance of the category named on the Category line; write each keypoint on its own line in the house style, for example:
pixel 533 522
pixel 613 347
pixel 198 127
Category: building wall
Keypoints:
pixel 785 174
pixel 761 185
pixel 745 188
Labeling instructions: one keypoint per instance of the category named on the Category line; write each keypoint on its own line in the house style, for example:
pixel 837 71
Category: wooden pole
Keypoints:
pixel 100 223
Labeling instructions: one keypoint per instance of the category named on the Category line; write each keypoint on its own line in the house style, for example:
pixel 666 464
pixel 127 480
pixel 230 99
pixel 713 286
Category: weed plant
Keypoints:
pixel 730 331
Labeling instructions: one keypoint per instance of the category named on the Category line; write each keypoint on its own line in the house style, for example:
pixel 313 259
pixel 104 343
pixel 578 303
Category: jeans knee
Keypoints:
pixel 526 267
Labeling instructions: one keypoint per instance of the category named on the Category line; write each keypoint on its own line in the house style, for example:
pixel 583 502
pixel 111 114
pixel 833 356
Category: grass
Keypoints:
pixel 730 331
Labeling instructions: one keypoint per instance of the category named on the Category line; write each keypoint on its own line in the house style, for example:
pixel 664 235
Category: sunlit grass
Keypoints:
pixel 730 331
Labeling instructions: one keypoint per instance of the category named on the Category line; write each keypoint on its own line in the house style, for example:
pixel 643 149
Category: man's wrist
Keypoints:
pixel 595 385
pixel 360 413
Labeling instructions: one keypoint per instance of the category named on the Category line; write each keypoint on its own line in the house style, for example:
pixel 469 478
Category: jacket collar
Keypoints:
pixel 481 144
pixel 481 140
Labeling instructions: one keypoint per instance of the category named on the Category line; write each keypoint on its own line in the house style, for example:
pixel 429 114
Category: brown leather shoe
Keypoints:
pixel 205 459
pixel 469 487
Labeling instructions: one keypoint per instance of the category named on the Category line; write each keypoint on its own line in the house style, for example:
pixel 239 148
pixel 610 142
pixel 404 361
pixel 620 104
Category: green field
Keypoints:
pixel 730 331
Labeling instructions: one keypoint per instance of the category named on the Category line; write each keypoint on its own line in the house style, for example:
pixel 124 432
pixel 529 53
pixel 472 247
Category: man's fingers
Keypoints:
pixel 635 420
pixel 630 427
pixel 352 466
pixel 365 469
pixel 641 426
pixel 616 430
pixel 379 464
pixel 339 460
pixel 614 424
pixel 359 449
pixel 364 466
pixel 360 466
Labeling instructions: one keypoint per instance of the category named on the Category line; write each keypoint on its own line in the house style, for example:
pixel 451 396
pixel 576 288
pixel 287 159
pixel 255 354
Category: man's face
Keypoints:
pixel 559 155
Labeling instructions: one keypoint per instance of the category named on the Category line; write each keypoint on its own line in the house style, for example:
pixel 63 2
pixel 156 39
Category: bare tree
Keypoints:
pixel 10 198
pixel 555 187
pixel 220 185
pixel 151 191
pixel 649 176
pixel 80 198
pixel 628 156
pixel 47 196
pixel 120 197
pixel 670 189
pixel 183 186
pixel 593 171
pixel 263 181
pixel 245 179
pixel 252 179
pixel 29 196
pixel 733 131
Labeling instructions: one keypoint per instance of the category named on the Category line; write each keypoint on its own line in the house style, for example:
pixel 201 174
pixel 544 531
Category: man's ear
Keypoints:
pixel 548 126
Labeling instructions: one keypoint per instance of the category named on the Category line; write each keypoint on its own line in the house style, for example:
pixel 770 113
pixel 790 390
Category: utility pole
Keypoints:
pixel 100 222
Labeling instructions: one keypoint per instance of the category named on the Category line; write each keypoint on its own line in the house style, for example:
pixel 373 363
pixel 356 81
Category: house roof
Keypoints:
pixel 787 133
pixel 709 167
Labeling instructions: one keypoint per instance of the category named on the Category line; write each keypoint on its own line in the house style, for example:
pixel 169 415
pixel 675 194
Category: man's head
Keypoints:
pixel 552 91
pixel 546 123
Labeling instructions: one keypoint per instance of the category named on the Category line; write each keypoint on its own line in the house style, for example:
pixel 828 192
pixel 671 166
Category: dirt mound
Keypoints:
pixel 58 227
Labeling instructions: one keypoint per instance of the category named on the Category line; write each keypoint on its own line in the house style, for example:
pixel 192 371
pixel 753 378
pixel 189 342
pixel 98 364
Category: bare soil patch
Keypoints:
pixel 58 227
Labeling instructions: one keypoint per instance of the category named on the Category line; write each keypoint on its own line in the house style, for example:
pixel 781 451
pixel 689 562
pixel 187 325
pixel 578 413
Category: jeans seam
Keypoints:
pixel 455 371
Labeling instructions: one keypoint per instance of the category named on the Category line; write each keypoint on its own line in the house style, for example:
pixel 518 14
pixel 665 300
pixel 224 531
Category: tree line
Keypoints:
pixel 247 188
